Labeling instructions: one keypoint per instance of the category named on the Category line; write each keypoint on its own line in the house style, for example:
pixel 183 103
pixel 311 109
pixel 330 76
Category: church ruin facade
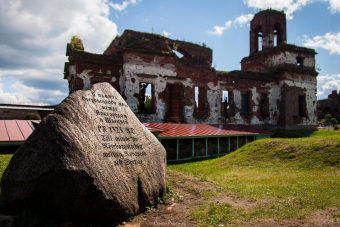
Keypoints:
pixel 275 88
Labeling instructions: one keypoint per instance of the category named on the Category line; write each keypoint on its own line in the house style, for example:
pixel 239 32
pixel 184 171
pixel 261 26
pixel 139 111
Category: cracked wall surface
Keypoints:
pixel 267 92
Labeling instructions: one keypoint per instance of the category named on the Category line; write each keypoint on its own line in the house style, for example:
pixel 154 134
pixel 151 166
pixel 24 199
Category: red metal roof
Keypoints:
pixel 189 130
pixel 16 130
pixel 19 130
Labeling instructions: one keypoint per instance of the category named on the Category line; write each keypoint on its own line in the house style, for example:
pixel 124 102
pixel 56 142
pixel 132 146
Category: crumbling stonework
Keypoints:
pixel 276 86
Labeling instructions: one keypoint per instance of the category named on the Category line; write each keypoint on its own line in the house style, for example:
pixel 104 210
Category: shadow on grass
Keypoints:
pixel 193 160
pixel 292 134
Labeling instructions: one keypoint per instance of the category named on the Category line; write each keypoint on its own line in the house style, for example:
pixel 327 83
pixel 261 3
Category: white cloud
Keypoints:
pixel 166 34
pixel 329 42
pixel 238 22
pixel 326 84
pixel 334 6
pixel 243 19
pixel 218 30
pixel 33 41
pixel 12 97
pixel 124 5
pixel 289 6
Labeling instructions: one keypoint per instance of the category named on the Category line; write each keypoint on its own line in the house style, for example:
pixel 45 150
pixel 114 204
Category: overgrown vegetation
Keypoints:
pixel 168 194
pixel 287 178
pixel 76 43
pixel 33 116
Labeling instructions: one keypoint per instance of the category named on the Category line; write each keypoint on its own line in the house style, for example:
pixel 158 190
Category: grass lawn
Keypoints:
pixel 289 178
pixel 292 176
pixel 4 160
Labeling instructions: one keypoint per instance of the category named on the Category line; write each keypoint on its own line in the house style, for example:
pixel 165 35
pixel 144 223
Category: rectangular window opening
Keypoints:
pixel 301 105
pixel 146 95
pixel 299 61
pixel 245 105
pixel 275 38
pixel 264 106
pixel 259 40
pixel 225 103
pixel 196 99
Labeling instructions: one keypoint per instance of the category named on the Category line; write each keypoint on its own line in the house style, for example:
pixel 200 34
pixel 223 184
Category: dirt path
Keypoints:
pixel 190 192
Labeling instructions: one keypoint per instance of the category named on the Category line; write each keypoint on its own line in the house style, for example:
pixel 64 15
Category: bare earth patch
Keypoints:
pixel 190 192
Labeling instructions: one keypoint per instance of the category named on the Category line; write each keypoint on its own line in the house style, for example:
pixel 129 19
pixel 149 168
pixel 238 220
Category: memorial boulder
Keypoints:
pixel 91 160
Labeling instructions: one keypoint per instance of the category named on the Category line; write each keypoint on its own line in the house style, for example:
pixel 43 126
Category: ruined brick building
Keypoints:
pixel 331 105
pixel 275 88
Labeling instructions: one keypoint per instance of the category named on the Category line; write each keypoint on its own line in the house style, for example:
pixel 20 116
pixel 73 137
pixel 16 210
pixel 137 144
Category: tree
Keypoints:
pixel 333 121
pixel 329 120
pixel 147 104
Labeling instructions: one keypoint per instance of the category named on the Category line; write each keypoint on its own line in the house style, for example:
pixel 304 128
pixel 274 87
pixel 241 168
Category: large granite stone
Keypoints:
pixel 90 160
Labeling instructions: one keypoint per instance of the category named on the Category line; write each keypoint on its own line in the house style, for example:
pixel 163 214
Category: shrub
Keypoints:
pixel 33 116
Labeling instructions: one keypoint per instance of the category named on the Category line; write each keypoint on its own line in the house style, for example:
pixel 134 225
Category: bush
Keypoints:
pixel 33 116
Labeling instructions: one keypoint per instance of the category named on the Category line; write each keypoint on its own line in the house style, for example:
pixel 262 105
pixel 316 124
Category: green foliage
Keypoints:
pixel 168 194
pixel 4 161
pixel 33 116
pixel 204 45
pixel 174 46
pixel 333 121
pixel 330 120
pixel 76 43
pixel 148 104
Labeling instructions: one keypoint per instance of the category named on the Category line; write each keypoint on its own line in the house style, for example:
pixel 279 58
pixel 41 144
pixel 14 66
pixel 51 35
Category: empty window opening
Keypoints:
pixel 301 105
pixel 196 98
pixel 275 38
pixel 225 103
pixel 146 91
pixel 264 106
pixel 245 105
pixel 259 41
pixel 225 96
pixel 179 55
pixel 299 61
pixel 200 100
pixel 335 109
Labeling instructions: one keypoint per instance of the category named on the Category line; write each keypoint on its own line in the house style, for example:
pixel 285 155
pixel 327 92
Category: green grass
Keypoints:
pixel 288 178
pixel 4 160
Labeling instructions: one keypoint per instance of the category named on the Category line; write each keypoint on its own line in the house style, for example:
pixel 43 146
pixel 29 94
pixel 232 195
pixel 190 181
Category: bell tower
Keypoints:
pixel 267 30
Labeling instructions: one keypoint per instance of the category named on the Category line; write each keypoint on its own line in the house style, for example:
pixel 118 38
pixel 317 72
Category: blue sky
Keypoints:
pixel 34 33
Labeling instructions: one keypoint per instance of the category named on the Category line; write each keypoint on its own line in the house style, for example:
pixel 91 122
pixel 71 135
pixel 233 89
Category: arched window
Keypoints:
pixel 275 38
pixel 259 40
pixel 278 39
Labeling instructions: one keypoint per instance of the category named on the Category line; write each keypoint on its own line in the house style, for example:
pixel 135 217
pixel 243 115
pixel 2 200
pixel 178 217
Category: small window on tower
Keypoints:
pixel 299 61
pixel 275 38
